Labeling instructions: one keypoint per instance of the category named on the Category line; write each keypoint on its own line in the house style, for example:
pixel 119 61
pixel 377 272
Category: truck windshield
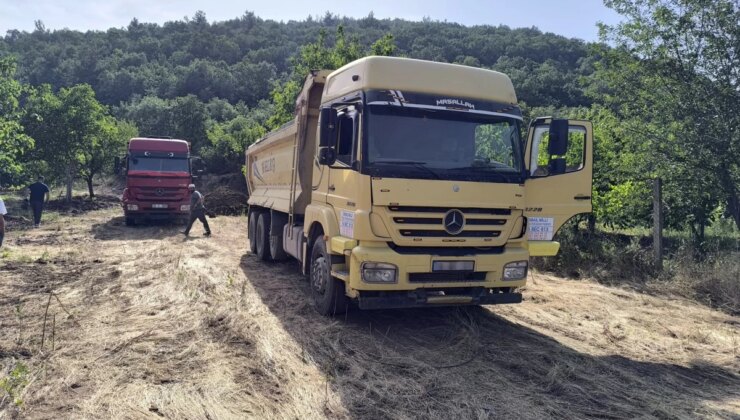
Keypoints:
pixel 440 144
pixel 155 164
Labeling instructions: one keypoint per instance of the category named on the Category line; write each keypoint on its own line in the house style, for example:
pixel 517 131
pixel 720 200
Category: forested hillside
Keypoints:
pixel 239 60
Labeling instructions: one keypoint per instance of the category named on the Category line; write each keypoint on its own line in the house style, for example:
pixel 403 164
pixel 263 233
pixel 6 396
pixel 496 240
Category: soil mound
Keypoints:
pixel 225 201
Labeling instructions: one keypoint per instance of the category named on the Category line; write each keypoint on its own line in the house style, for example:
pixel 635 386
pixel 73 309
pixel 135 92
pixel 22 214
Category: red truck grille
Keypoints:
pixel 159 194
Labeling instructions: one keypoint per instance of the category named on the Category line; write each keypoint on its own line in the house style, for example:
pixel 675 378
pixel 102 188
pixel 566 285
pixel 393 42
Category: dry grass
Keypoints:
pixel 616 259
pixel 158 326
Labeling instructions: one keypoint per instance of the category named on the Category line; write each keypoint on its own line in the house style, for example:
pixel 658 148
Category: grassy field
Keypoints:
pixel 98 320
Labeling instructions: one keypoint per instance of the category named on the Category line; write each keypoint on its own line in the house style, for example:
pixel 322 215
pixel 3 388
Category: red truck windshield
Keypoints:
pixel 155 164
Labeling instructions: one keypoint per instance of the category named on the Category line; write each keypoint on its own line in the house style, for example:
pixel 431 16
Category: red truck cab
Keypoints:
pixel 158 172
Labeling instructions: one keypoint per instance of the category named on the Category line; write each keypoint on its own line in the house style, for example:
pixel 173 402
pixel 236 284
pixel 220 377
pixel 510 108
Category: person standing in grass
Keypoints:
pixel 197 211
pixel 3 212
pixel 39 196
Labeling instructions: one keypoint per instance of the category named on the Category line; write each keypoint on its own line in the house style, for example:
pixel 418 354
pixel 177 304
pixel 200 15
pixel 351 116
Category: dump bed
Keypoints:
pixel 280 165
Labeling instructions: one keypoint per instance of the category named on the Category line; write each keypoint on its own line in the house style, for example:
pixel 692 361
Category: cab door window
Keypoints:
pixel 347 133
pixel 541 161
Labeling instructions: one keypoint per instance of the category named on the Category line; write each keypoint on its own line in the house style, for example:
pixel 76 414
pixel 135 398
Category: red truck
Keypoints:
pixel 158 172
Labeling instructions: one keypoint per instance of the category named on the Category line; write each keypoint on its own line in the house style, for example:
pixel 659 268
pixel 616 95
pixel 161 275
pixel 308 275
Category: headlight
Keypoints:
pixel 132 207
pixel 374 272
pixel 185 207
pixel 516 270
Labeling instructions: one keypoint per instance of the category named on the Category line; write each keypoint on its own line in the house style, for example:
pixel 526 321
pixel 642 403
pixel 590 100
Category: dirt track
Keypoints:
pixel 159 326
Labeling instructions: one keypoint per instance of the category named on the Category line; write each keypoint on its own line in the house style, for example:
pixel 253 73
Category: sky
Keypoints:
pixel 571 18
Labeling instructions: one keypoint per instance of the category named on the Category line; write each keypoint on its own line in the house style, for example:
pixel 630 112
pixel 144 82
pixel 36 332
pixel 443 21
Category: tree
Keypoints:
pixel 65 127
pixel 13 141
pixel 318 56
pixel 673 80
pixel 108 143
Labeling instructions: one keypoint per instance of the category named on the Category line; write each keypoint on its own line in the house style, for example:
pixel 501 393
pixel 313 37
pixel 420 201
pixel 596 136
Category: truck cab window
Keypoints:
pixel 574 157
pixel 345 138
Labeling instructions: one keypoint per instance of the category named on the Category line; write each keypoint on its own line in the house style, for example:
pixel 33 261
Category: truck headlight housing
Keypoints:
pixel 132 207
pixel 375 272
pixel 185 207
pixel 516 270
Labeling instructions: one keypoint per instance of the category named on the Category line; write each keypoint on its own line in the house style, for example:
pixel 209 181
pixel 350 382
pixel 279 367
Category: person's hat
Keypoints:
pixel 191 186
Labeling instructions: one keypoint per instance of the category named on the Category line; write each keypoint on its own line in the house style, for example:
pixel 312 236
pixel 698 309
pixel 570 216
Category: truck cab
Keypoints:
pixel 411 183
pixel 158 172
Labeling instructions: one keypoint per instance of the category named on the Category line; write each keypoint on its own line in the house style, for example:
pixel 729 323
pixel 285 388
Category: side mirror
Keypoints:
pixel 327 156
pixel 556 166
pixel 328 127
pixel 558 144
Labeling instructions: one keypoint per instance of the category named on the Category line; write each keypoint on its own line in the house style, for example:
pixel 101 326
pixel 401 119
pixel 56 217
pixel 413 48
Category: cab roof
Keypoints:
pixel 158 145
pixel 429 77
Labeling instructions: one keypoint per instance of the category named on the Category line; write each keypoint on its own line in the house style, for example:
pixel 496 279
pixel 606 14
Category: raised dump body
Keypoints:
pixel 406 183
pixel 274 183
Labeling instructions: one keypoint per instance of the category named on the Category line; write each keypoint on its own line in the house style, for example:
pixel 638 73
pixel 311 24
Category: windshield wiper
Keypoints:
pixel 415 163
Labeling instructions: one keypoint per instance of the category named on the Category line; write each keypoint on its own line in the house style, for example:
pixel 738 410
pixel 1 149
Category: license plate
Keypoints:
pixel 453 265
pixel 159 206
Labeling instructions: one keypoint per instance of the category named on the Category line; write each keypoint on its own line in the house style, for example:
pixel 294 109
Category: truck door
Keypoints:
pixel 343 176
pixel 559 175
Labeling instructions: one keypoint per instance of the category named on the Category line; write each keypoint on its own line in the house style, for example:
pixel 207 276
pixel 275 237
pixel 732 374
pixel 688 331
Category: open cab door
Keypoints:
pixel 559 161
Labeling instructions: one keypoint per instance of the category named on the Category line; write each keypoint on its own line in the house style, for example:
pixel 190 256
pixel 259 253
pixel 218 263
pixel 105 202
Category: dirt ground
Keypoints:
pixel 142 323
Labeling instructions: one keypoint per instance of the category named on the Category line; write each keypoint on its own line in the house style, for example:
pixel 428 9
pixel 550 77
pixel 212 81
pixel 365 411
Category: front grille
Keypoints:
pixel 478 225
pixel 447 277
pixel 159 194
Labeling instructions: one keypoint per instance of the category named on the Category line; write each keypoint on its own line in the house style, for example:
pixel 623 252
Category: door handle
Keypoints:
pixel 331 188
pixel 582 197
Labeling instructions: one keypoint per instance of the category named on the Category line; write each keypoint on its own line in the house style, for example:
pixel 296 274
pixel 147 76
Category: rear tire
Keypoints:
pixel 327 292
pixel 278 222
pixel 262 238
pixel 252 231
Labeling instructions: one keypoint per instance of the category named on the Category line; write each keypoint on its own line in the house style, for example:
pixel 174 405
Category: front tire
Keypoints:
pixel 262 238
pixel 130 221
pixel 327 292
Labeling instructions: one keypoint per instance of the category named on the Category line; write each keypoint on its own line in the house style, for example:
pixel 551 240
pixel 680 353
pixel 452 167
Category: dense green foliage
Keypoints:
pixel 671 85
pixel 13 141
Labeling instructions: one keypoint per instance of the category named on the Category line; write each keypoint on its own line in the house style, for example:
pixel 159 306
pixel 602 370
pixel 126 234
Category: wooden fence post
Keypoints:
pixel 657 223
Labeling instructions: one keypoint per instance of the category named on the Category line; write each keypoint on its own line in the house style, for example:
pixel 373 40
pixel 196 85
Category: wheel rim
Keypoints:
pixel 319 274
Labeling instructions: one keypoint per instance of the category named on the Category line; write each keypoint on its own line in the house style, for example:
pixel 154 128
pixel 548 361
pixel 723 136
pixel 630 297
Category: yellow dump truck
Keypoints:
pixel 407 183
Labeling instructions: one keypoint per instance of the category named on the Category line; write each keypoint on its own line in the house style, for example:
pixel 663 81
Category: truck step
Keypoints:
pixel 341 274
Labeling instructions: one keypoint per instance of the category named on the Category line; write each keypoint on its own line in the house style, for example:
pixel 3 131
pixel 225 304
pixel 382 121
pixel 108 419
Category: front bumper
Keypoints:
pixel 415 272
pixel 425 298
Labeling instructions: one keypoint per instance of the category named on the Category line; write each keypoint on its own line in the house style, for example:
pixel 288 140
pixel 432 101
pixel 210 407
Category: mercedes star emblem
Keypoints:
pixel 454 221
pixel 159 192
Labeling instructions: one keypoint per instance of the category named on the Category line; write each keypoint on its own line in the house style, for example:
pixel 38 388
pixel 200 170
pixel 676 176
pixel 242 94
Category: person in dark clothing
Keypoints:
pixel 197 211
pixel 3 212
pixel 39 195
